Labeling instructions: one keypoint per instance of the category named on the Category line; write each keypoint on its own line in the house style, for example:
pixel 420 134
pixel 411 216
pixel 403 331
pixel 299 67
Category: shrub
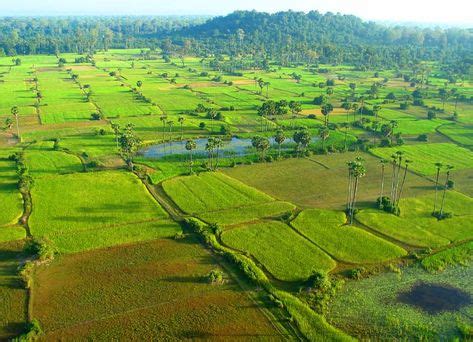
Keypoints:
pixel 431 115
pixel 423 137
pixel 179 236
pixel 404 105
pixel 42 248
pixel 26 274
pixel 356 273
pixel 450 184
pixel 95 116
pixel 33 331
pixel 215 277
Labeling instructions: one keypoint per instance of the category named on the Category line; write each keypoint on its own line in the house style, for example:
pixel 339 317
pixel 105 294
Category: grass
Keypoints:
pixel 461 254
pixel 94 206
pixel 345 243
pixel 369 309
pixel 211 191
pixel 10 199
pixel 43 162
pixel 416 226
pixel 424 156
pixel 247 214
pixel 133 285
pixel 461 134
pixel 13 299
pixel 321 180
pixel 294 259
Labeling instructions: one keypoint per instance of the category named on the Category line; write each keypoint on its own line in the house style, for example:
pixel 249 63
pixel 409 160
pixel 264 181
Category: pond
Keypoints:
pixel 435 298
pixel 232 147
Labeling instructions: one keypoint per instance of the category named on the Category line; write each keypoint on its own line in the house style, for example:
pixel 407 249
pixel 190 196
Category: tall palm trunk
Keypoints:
pixel 190 162
pixel 382 183
pixel 444 194
pixel 17 127
pixel 436 189
pixel 353 202
pixel 402 185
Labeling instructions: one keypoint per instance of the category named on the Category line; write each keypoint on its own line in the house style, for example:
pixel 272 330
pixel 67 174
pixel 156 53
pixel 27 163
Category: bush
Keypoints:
pixel 96 116
pixel 26 274
pixel 431 115
pixel 33 331
pixel 42 248
pixel 215 277
pixel 404 105
pixel 423 137
pixel 356 273
pixel 450 184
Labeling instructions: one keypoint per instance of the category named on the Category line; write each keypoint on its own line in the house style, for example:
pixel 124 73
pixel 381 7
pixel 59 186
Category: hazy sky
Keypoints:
pixel 431 11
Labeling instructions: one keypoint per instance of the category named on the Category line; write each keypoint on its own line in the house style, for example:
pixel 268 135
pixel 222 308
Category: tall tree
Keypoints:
pixel 181 122
pixel 129 144
pixel 116 131
pixel 15 111
pixel 383 163
pixel 327 108
pixel 280 137
pixel 190 146
pixel 356 170
pixel 324 133
pixel 438 166
pixel 163 119
pixel 445 188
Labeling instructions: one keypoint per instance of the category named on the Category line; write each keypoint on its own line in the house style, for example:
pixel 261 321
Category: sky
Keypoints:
pixel 453 12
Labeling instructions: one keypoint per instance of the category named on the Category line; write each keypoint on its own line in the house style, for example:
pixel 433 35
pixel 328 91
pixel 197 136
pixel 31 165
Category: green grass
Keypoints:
pixel 112 205
pixel 155 290
pixel 11 206
pixel 346 243
pixel 461 134
pixel 424 156
pixel 12 233
pixel 368 309
pixel 321 180
pixel 13 298
pixel 44 162
pixel 211 191
pixel 247 214
pixel 416 226
pixel 461 254
pixel 285 254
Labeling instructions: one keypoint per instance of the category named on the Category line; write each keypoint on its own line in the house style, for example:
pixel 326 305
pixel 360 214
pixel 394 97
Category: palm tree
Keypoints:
pixel 267 84
pixel 354 106
pixel 163 119
pixel 347 106
pixel 209 147
pixel 279 138
pixel 116 131
pixel 356 171
pixel 181 122
pixel 383 163
pixel 438 166
pixel 218 144
pixel 393 124
pixel 190 146
pixel 406 166
pixel 449 168
pixel 212 114
pixel 170 124
pixel 15 111
pixel 324 133
pixel 326 110
pixel 375 126
pixel 261 85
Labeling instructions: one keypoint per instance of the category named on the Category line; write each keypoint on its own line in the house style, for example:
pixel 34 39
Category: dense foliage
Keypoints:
pixel 288 37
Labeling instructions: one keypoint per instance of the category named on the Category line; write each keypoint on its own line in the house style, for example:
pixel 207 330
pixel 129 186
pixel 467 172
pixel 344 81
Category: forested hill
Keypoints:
pixel 334 38
pixel 287 37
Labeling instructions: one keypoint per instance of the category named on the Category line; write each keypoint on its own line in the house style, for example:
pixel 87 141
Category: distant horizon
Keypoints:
pixel 405 12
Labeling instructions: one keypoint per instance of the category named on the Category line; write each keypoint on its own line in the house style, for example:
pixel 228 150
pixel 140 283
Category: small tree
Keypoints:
pixel 326 110
pixel 129 144
pixel 261 144
pixel 324 133
pixel 302 140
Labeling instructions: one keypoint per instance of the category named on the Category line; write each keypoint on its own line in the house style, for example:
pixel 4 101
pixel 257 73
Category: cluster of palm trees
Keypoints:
pixel 168 126
pixel 356 170
pixel 440 214
pixel 400 166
